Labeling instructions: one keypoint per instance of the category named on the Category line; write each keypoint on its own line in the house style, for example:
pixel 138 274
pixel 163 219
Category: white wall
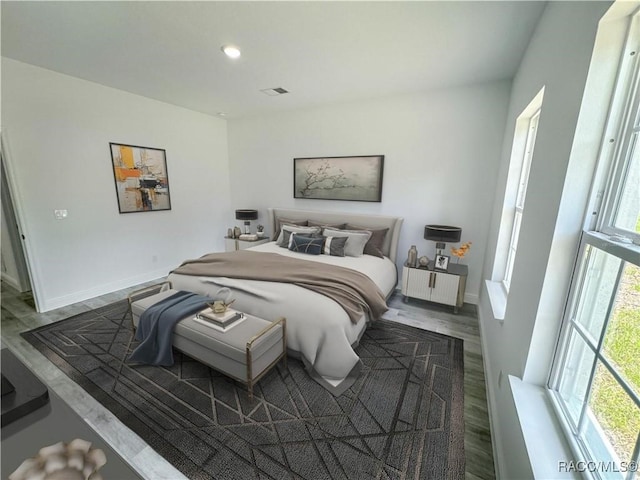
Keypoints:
pixel 558 58
pixel 442 150
pixel 58 130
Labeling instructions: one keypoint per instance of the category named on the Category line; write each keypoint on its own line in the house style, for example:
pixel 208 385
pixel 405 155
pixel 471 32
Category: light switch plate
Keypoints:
pixel 60 214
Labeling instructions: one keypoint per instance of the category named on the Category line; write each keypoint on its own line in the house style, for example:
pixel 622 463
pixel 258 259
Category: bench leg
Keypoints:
pixel 250 380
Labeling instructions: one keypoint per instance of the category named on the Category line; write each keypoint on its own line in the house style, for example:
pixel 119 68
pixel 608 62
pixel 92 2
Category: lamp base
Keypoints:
pixel 246 226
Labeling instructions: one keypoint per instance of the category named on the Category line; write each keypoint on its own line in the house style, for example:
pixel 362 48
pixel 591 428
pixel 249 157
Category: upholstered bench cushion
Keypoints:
pixel 224 351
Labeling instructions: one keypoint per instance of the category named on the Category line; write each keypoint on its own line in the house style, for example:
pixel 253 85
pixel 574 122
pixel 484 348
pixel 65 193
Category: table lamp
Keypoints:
pixel 247 216
pixel 442 234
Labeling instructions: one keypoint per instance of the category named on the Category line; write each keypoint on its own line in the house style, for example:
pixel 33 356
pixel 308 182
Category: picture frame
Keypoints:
pixel 441 262
pixel 356 178
pixel 141 178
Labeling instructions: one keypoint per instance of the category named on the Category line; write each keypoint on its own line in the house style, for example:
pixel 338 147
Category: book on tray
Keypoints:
pixel 216 325
pixel 220 319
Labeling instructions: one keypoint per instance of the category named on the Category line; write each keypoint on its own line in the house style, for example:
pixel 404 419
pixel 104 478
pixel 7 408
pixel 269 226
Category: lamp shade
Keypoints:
pixel 442 233
pixel 246 214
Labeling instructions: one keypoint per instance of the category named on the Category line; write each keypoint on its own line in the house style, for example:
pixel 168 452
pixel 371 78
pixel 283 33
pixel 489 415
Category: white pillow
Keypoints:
pixel 283 240
pixel 356 240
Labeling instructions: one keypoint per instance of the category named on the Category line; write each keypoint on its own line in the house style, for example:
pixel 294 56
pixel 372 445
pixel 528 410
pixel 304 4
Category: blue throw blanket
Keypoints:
pixel 156 325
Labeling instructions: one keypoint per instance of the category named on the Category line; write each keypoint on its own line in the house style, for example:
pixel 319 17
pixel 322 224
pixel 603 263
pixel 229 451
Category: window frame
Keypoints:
pixel 599 232
pixel 518 208
pixel 623 121
pixel 570 325
pixel 504 260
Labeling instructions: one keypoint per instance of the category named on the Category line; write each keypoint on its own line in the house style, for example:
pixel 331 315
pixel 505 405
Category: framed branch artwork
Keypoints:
pixel 339 178
pixel 142 181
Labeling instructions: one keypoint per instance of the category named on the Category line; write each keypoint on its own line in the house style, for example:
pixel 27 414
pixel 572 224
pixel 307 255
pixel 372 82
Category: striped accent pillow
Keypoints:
pixel 283 239
pixel 301 244
pixel 356 240
pixel 334 246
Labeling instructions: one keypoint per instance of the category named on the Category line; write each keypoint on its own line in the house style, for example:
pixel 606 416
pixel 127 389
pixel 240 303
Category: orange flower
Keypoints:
pixel 462 251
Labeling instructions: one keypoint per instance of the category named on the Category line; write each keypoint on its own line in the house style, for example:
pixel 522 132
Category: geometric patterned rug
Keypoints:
pixel 402 418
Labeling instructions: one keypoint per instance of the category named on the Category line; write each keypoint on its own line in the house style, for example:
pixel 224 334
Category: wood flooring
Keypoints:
pixel 18 315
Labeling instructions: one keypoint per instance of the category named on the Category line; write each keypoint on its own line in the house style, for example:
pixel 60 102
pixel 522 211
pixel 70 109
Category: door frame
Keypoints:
pixel 18 211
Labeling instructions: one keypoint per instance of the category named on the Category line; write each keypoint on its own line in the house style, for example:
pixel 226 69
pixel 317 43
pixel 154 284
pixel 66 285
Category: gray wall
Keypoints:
pixel 442 150
pixel 557 58
pixel 57 131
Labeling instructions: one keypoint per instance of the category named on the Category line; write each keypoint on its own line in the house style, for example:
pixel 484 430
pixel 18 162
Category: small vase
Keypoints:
pixel 412 258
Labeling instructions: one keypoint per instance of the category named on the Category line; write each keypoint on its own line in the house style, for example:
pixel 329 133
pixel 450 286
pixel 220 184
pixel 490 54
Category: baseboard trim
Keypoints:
pixel 471 298
pixel 494 424
pixel 11 281
pixel 63 301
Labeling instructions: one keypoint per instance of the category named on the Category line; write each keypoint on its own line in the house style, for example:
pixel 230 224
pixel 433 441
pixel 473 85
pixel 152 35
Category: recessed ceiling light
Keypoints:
pixel 231 51
pixel 221 114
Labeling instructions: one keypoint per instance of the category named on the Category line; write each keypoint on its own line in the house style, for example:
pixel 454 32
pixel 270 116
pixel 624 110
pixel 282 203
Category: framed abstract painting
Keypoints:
pixel 142 181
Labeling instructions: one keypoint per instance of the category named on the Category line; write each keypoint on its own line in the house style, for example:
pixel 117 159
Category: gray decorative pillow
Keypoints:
pixel 313 223
pixel 310 245
pixel 375 243
pixel 281 221
pixel 334 246
pixel 356 240
pixel 285 232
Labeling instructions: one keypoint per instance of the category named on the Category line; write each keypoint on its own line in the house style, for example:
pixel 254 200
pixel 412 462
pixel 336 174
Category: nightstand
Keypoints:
pixel 233 244
pixel 435 285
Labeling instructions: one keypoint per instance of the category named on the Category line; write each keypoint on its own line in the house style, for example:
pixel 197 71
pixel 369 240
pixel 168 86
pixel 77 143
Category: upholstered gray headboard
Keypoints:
pixel 390 246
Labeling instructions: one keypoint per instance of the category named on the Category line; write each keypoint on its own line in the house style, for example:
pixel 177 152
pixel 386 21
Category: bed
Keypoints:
pixel 319 331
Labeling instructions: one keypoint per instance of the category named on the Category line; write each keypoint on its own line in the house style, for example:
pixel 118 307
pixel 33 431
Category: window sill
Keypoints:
pixel 497 298
pixel 549 453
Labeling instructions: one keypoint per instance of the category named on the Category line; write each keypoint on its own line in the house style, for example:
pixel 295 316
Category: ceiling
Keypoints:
pixel 321 52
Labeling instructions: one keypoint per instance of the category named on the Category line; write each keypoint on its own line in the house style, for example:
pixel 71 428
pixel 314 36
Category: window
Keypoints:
pixel 598 382
pixel 621 215
pixel 596 376
pixel 532 130
pixel 524 138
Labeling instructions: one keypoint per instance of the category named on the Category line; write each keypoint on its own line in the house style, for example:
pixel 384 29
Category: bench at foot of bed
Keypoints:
pixel 246 351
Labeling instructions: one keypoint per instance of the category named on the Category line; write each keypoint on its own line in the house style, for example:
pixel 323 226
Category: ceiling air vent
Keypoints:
pixel 274 92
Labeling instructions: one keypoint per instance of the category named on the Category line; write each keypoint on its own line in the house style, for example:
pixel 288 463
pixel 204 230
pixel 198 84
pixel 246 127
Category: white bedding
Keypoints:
pixel 317 327
pixel 381 270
